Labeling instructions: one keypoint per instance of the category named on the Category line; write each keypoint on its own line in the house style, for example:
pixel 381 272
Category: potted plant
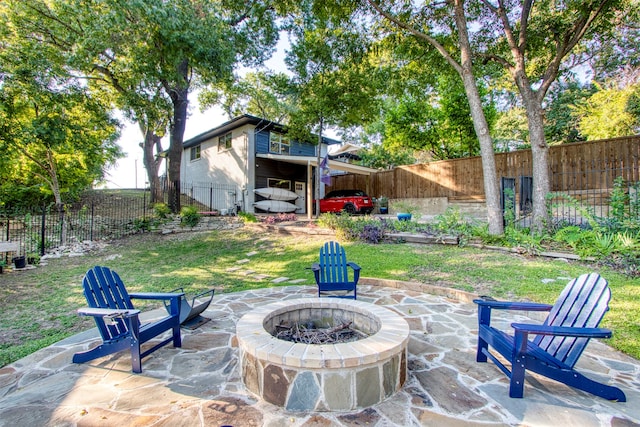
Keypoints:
pixel 20 261
pixel 404 210
pixel 3 264
pixel 383 205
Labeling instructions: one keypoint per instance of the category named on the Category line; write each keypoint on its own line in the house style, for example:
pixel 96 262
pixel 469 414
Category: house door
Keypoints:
pixel 301 191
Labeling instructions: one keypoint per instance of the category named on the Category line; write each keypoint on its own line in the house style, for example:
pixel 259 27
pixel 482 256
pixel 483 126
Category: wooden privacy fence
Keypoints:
pixel 575 169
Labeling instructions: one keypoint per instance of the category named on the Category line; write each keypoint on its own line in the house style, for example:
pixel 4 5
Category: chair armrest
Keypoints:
pixel 561 331
pixel 353 265
pixel 315 267
pixel 156 295
pixel 111 312
pixel 511 305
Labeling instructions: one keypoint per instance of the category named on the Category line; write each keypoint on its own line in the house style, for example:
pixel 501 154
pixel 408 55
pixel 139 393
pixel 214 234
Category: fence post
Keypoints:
pixel 92 216
pixel 43 225
pixel 211 197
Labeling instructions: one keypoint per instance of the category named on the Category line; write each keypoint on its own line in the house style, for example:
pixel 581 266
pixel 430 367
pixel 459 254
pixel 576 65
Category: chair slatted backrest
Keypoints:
pixel 582 304
pixel 103 288
pixel 333 264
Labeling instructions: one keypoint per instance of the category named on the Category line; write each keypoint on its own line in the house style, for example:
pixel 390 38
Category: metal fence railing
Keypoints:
pixel 101 215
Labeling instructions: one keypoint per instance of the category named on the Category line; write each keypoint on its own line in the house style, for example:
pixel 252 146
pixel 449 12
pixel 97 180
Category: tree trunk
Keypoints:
pixel 55 188
pixel 151 163
pixel 179 97
pixel 492 195
pixel 539 158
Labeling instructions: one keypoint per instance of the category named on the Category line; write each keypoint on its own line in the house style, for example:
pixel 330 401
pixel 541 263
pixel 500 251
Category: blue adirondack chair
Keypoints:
pixel 118 320
pixel 332 272
pixel 558 342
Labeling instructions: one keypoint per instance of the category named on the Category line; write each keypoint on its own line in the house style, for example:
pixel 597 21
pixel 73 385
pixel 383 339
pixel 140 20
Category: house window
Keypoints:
pixel 279 143
pixel 279 183
pixel 195 153
pixel 224 142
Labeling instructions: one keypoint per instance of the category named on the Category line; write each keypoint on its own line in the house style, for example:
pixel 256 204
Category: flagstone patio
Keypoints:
pixel 200 384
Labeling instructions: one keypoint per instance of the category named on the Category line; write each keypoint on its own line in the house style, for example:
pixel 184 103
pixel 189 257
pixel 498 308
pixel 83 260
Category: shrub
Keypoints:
pixel 372 233
pixel 247 216
pixel 189 216
pixel 141 224
pixel 281 217
pixel 161 210
pixel 453 222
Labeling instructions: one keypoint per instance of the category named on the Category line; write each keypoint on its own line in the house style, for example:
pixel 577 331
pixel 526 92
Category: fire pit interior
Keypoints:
pixel 333 375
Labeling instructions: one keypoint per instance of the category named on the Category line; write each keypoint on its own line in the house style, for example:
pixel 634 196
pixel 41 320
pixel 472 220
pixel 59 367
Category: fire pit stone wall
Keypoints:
pixel 323 377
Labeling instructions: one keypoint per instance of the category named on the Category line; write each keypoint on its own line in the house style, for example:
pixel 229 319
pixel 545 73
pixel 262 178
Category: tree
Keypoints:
pixel 334 84
pixel 378 157
pixel 615 55
pixel 510 130
pixel 609 113
pixel 437 121
pixel 561 124
pixel 263 94
pixel 55 137
pixel 531 41
pixel 170 46
pixel 444 27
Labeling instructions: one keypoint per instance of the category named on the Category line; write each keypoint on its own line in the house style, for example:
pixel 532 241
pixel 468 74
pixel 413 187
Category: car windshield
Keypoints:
pixel 346 193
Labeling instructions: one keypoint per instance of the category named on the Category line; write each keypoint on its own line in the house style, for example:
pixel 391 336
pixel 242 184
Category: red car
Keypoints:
pixel 350 201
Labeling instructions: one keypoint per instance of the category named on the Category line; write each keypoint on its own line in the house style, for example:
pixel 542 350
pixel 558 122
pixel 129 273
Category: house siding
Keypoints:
pixel 262 142
pixel 295 148
pixel 230 167
pixel 302 149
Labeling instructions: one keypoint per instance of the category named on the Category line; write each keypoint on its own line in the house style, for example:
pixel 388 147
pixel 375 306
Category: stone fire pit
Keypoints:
pixel 323 377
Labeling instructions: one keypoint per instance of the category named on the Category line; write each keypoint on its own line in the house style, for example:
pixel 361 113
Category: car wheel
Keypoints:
pixel 349 208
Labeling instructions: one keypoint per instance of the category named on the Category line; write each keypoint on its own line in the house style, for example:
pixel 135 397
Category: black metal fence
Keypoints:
pixel 101 215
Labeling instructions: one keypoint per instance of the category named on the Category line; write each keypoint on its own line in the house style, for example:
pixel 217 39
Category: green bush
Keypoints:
pixel 247 217
pixel 452 221
pixel 141 224
pixel 161 210
pixel 189 216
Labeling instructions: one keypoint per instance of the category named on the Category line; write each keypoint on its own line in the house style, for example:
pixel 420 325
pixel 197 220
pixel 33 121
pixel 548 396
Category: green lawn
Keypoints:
pixel 38 307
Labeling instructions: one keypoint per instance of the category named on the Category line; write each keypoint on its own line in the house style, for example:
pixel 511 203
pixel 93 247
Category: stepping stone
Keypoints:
pixel 252 253
pixel 280 280
pixel 260 276
pixel 297 281
pixel 231 269
pixel 243 261
pixel 248 272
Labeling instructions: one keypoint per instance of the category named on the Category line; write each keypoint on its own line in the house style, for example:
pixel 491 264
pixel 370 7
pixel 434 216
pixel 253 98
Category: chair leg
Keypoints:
pixel 516 385
pixel 177 339
pixel 136 359
pixel 483 346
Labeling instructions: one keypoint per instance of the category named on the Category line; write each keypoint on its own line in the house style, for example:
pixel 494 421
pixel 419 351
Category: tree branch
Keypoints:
pixel 433 42
pixel 569 41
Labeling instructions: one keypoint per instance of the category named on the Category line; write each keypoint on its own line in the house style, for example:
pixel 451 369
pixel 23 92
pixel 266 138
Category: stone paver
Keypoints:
pixel 199 384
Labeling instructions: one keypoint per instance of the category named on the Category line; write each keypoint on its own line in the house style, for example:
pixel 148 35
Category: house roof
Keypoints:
pixel 236 122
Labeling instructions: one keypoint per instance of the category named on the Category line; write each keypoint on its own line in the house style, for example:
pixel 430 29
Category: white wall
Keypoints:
pixel 232 167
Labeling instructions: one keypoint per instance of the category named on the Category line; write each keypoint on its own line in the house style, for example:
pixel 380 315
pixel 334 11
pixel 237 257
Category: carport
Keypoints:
pixel 312 162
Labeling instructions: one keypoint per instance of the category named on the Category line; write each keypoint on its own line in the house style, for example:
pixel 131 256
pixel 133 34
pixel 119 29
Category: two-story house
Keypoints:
pixel 256 154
